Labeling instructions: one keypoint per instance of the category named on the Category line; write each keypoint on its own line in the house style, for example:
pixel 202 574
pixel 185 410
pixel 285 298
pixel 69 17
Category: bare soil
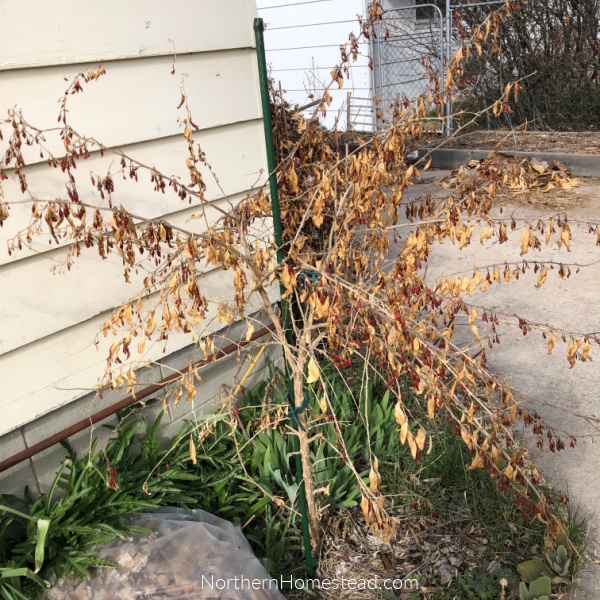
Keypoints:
pixel 529 141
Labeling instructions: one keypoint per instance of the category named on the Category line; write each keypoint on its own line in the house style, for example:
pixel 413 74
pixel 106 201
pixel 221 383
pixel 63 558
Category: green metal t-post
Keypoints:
pixel 259 28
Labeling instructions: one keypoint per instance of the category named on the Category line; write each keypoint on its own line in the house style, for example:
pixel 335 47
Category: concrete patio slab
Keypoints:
pixel 570 304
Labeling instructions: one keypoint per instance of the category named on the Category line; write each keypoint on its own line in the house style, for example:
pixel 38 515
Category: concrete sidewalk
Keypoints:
pixel 571 304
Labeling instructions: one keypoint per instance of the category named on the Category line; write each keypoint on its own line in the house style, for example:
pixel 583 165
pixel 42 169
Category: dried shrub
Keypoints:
pixel 352 301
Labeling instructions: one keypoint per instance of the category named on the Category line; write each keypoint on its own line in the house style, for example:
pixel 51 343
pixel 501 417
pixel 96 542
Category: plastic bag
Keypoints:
pixel 186 555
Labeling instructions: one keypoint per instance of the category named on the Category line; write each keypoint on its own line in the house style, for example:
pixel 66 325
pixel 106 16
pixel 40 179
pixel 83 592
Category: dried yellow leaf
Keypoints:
pixel 551 342
pixel 542 277
pixel 403 432
pixel 400 414
pixel 313 371
pixel 420 439
pixel 192 450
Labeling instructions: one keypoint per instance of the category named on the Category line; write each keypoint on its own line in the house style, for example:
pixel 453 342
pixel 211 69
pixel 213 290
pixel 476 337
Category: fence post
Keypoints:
pixel 348 108
pixel 259 28
pixel 448 57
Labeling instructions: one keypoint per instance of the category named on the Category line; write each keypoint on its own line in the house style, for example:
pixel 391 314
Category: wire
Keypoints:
pixel 295 4
pixel 309 47
pixel 310 25
pixel 331 90
pixel 316 68
pixel 467 4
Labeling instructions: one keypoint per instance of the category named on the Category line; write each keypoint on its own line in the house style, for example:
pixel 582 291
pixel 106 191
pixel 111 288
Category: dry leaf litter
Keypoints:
pixel 422 546
pixel 519 179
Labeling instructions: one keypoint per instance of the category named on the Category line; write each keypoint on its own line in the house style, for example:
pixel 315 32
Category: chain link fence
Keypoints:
pixel 413 47
pixel 551 46
pixel 415 43
pixel 409 51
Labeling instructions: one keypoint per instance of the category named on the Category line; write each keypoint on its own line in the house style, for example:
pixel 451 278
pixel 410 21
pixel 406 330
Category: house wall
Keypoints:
pixel 48 365
pixel 391 4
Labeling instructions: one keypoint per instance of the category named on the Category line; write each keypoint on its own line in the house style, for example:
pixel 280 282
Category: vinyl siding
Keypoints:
pixel 47 321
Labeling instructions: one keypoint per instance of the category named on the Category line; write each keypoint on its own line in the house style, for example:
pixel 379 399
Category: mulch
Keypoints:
pixel 528 181
pixel 422 546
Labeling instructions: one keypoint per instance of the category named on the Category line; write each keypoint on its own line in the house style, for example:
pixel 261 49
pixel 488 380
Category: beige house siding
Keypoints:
pixel 48 365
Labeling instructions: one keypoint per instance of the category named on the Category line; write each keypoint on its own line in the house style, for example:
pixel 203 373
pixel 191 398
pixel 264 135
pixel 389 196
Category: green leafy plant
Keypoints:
pixel 559 561
pixel 533 569
pixel 476 586
pixel 540 589
pixel 90 497
pixel 98 491
pixel 556 566
pixel 354 406
pixel 279 537
pixel 11 582
pixel 11 577
pixel 481 586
